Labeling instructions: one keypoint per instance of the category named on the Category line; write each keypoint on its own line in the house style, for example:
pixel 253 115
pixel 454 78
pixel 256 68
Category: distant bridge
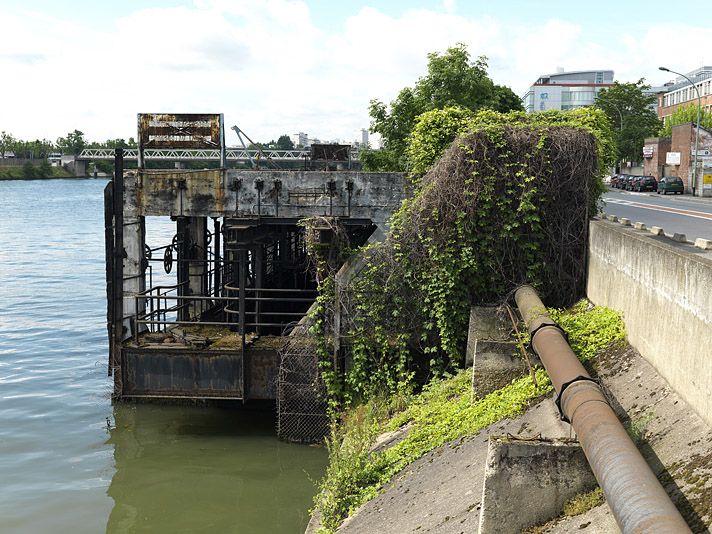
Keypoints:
pixel 233 154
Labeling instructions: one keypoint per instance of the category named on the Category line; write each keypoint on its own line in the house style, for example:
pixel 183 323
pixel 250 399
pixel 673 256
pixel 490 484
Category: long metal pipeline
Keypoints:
pixel 636 498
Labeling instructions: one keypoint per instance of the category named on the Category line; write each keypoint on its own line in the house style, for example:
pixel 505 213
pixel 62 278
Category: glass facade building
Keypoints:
pixel 566 90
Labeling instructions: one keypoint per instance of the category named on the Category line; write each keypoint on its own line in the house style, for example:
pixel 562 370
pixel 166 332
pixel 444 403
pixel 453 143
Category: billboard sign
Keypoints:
pixel 179 130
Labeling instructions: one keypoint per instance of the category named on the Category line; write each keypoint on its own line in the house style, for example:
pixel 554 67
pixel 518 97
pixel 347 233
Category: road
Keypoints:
pixel 673 213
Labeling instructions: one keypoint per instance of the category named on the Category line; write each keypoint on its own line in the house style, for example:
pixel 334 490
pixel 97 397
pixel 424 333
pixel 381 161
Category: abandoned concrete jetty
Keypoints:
pixel 238 258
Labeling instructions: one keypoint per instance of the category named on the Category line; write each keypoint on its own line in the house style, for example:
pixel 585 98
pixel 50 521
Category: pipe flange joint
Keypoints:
pixel 565 385
pixel 530 345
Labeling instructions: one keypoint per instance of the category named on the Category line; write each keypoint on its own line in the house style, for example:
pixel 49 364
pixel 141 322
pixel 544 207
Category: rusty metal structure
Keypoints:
pixel 238 270
pixel 636 498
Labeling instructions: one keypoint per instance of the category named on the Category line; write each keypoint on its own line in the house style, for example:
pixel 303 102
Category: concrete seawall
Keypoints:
pixel 664 290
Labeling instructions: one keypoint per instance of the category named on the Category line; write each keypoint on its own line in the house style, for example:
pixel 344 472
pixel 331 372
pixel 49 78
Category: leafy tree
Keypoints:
pixel 74 143
pixel 628 103
pixel 29 170
pixel 685 114
pixel 7 142
pixel 33 149
pixel 506 99
pixel 285 143
pixel 453 80
pixel 45 169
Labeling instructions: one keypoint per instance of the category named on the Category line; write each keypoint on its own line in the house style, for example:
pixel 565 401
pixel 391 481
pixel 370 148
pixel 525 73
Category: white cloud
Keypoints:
pixel 271 70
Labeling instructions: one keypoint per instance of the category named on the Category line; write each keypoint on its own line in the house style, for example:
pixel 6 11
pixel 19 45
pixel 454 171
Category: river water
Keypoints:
pixel 72 462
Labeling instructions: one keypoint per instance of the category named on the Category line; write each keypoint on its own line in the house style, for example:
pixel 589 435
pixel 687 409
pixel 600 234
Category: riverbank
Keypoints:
pixel 428 474
pixel 20 173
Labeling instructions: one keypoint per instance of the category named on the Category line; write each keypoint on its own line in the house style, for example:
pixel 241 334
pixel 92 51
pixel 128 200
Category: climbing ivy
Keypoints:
pixel 506 203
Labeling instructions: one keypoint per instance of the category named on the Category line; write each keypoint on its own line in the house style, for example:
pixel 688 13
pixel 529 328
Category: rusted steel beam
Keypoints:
pixel 636 498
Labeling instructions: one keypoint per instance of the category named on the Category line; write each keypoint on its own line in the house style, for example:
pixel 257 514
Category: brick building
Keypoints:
pixel 681 93
pixel 661 156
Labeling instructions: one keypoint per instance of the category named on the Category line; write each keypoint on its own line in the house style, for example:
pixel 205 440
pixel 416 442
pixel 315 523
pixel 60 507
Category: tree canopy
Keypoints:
pixel 74 143
pixel 628 109
pixel 7 142
pixel 453 80
pixel 285 143
pixel 685 114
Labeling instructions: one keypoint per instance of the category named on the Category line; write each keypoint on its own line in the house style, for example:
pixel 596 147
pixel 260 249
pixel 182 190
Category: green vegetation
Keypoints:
pixel 584 502
pixel 452 80
pixel 628 103
pixel 73 143
pixel 441 413
pixel 487 217
pixel 636 427
pixel 684 114
pixel 28 171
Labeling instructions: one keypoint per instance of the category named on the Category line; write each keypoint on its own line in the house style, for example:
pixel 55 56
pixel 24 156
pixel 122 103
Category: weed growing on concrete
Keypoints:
pixel 441 413
pixel 590 328
pixel 584 502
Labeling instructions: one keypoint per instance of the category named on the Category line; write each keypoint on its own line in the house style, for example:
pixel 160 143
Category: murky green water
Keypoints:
pixel 72 462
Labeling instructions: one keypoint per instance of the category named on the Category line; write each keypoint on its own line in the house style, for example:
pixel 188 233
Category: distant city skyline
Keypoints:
pixel 277 67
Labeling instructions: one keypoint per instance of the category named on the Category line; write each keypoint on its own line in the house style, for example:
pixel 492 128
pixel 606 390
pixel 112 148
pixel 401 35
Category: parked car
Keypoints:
pixel 645 183
pixel 614 180
pixel 627 181
pixel 671 184
pixel 632 184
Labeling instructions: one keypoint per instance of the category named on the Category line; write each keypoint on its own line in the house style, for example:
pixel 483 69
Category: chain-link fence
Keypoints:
pixel 301 394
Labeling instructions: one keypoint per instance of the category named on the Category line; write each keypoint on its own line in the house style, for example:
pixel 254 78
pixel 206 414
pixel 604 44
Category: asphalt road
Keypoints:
pixel 673 213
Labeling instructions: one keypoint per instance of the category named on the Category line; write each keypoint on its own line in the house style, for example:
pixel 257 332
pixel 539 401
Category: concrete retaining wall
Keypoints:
pixel 664 290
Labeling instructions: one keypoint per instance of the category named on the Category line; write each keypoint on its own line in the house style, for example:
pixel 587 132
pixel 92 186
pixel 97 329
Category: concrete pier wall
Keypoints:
pixel 664 289
pixel 286 194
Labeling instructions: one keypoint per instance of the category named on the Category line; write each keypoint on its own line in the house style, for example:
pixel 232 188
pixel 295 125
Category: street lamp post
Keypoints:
pixel 697 129
pixel 618 166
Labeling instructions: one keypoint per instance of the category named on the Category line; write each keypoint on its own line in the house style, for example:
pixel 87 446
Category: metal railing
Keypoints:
pixel 184 154
pixel 157 308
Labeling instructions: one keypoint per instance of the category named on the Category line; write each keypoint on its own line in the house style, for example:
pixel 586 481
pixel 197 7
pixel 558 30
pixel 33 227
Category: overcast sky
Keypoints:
pixel 283 66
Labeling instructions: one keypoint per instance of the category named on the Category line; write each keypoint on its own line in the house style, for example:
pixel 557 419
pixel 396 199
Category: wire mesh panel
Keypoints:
pixel 301 395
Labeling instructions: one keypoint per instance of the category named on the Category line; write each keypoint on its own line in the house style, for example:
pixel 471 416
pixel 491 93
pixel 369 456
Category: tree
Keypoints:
pixel 45 169
pixel 684 114
pixel 453 80
pixel 285 143
pixel 506 99
pixel 74 143
pixel 7 142
pixel 29 170
pixel 628 109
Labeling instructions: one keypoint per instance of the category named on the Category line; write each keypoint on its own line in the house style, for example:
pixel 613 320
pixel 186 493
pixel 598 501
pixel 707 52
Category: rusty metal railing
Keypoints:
pixel 636 498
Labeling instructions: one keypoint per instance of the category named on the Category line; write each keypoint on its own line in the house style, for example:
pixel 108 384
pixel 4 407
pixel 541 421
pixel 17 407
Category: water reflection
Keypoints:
pixel 197 469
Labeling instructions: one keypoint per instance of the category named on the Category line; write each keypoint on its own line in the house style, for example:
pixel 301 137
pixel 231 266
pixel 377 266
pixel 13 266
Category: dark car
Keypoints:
pixel 671 184
pixel 645 183
pixel 627 182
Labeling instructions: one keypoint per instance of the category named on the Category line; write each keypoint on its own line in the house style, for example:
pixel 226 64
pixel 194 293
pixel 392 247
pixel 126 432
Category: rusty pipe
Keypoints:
pixel 638 501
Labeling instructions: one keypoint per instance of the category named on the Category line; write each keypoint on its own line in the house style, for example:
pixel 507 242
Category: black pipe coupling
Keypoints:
pixel 538 327
pixel 565 385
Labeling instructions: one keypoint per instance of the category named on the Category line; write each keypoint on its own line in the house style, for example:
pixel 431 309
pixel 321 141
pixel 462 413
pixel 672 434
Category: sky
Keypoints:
pixel 282 66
